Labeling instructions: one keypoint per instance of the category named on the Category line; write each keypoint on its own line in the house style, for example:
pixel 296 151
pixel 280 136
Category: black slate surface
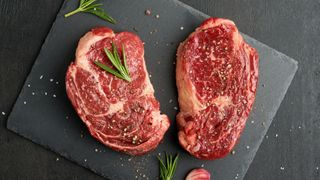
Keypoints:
pixel 51 86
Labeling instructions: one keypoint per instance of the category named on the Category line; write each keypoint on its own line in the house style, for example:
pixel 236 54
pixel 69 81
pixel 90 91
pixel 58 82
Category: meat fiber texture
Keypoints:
pixel 217 74
pixel 123 115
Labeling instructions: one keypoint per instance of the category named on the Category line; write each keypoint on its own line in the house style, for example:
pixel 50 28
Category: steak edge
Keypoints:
pixel 217 75
pixel 123 115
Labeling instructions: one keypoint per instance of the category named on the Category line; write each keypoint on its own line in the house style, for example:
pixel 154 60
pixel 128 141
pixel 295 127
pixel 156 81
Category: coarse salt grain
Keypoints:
pixel 25 102
pixel 51 80
pixel 54 95
pixel 3 113
pixel 41 77
pixel 181 28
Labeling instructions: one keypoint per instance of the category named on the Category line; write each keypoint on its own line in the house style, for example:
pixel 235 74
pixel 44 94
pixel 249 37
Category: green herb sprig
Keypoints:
pixel 168 167
pixel 89 7
pixel 121 70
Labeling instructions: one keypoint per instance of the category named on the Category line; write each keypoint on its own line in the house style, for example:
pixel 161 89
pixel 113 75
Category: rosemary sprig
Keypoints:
pixel 121 70
pixel 89 7
pixel 168 167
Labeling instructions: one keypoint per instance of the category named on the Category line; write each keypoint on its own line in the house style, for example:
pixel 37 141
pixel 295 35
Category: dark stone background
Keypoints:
pixel 291 149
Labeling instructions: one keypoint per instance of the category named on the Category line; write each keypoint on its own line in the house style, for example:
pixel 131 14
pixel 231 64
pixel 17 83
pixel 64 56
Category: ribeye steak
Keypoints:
pixel 217 74
pixel 122 115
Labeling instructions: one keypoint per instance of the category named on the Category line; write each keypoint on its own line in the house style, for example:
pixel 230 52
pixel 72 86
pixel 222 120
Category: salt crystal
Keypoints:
pixel 57 159
pixel 51 80
pixel 299 127
pixel 175 108
pixel 282 168
pixel 170 101
pixel 54 95
pixel 236 176
pixel 252 122
pixel 45 93
pixel 96 150
pixel 202 165
pixel 85 160
pixel 33 93
pixel 157 16
pixel 41 77
pixel 248 147
pixel 181 28
pixel 317 168
pixel 3 113
pixel 25 102
pixel 57 82
pixel 277 135
pixel 29 85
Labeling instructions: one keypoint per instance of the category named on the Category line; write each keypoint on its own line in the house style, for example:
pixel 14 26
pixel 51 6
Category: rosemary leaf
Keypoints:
pixel 168 168
pixel 88 6
pixel 120 71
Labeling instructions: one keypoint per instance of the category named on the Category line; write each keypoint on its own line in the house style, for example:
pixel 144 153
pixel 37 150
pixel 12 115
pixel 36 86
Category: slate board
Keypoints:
pixel 43 114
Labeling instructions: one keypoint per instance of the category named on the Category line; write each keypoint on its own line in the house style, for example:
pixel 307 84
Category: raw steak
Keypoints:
pixel 217 74
pixel 122 115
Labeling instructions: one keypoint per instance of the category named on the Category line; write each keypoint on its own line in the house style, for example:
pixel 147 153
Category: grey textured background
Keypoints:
pixel 291 27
